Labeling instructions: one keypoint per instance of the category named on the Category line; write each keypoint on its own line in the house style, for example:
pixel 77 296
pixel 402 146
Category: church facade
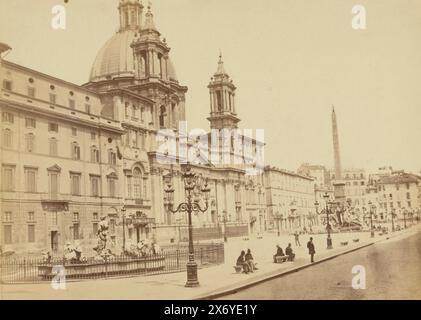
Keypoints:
pixel 72 154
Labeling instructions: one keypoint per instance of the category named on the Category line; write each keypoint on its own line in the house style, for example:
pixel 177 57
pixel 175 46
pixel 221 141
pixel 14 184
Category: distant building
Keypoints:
pixel 399 192
pixel 290 199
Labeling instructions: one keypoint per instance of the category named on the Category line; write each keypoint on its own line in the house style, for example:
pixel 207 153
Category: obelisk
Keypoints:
pixel 338 185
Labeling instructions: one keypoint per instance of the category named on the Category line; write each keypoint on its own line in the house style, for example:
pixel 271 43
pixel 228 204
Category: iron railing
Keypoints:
pixel 174 259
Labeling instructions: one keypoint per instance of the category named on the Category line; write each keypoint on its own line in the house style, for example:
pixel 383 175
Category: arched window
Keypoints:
pixel 137 183
pixel 7 138
pixel 162 116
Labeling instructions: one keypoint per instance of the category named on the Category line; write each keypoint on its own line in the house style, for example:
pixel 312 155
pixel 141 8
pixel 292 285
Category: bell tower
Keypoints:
pixel 222 100
pixel 130 14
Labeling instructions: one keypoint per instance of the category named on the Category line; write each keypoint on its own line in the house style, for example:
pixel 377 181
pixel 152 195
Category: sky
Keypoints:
pixel 291 60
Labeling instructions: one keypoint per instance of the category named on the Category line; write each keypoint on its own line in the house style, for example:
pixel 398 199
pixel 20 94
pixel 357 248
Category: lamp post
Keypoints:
pixel 224 221
pixel 372 208
pixel 191 182
pixel 277 218
pixel 393 216
pixel 404 217
pixel 123 214
pixel 327 210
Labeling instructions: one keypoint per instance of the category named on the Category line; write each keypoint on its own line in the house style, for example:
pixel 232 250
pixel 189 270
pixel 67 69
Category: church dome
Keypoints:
pixel 115 59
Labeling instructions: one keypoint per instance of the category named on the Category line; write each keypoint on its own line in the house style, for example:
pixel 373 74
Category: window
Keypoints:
pixel 54 218
pixel 88 108
pixel 31 180
pixel 54 183
pixel 31 216
pixel 407 186
pixel 75 184
pixel 162 117
pixel 397 187
pixel 30 142
pixel 399 204
pixel 72 104
pixel 408 195
pixel 7 138
pixel 75 151
pixel 111 187
pixel 112 226
pixel 76 234
pixel 76 216
pixel 30 122
pixel 219 100
pixel 93 135
pixel 143 140
pixel 31 233
pixel 95 216
pixel 137 183
pixel 112 157
pixel 74 132
pixel 7 231
pixel 53 147
pixel 31 92
pixel 53 127
pixel 8 178
pixel 94 155
pixel 53 98
pixel 94 228
pixel 134 111
pixel 7 85
pixel 142 111
pixel 129 186
pixel 7 117
pixel 8 217
pixel 127 109
pixel 94 186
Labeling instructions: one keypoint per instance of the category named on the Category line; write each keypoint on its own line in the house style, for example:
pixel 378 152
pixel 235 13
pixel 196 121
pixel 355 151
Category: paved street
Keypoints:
pixel 170 286
pixel 392 272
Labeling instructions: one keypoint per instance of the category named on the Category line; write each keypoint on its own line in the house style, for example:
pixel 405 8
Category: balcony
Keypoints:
pixel 55 202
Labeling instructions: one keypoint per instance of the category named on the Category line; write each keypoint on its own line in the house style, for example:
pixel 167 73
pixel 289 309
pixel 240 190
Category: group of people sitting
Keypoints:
pixel 288 252
pixel 246 261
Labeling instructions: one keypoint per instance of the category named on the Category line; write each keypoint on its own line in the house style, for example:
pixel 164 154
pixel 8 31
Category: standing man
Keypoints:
pixel 297 239
pixel 311 249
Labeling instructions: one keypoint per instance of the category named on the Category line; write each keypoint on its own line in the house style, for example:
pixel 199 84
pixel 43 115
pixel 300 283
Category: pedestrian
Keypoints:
pixel 311 249
pixel 297 239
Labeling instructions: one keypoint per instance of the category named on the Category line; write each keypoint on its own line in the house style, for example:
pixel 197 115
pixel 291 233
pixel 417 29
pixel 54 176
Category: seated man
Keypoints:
pixel 250 261
pixel 279 253
pixel 242 262
pixel 289 253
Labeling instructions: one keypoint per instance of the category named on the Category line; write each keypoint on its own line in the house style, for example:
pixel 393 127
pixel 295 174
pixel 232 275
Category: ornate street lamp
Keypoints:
pixel 191 183
pixel 405 212
pixel 223 218
pixel 123 214
pixel 372 209
pixel 327 210
pixel 278 217
pixel 393 216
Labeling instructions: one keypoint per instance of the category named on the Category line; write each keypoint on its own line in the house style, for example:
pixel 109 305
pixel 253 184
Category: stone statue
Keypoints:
pixel 101 249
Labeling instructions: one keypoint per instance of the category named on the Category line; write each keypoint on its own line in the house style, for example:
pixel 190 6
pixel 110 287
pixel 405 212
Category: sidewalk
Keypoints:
pixel 213 280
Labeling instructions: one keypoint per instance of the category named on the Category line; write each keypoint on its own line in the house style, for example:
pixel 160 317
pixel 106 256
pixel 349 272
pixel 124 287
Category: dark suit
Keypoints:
pixel 311 250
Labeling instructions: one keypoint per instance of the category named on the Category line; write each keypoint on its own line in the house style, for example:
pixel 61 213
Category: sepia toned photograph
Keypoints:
pixel 210 150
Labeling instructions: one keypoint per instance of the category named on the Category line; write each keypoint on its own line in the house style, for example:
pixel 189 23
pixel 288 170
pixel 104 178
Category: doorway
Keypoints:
pixel 54 241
